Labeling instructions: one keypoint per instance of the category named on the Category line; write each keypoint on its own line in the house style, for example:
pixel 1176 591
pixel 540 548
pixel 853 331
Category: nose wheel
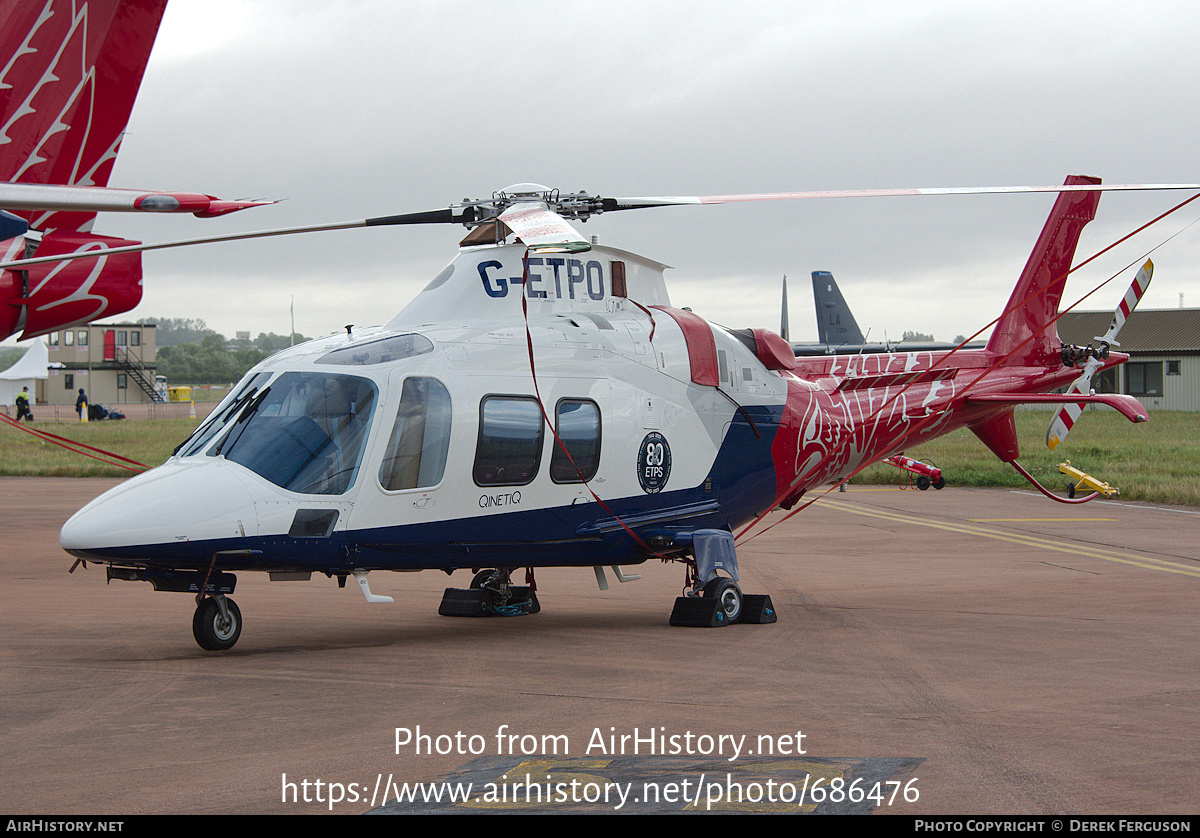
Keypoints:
pixel 217 623
pixel 728 596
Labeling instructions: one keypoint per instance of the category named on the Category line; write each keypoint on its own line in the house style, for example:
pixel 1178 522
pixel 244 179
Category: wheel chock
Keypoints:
pixel 464 602
pixel 698 612
pixel 475 602
pixel 757 608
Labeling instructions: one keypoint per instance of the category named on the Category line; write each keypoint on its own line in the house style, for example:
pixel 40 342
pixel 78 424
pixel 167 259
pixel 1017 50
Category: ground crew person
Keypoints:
pixel 23 410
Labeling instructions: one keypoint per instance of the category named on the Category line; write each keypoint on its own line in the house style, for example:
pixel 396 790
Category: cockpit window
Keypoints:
pixel 305 433
pixel 224 413
pixel 378 351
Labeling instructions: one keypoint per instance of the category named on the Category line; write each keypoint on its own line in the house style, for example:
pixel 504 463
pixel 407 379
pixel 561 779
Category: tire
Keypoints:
pixel 480 577
pixel 213 633
pixel 922 482
pixel 1071 490
pixel 728 594
pixel 940 483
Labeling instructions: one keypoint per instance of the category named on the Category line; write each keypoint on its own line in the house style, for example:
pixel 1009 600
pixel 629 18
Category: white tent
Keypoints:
pixel 32 365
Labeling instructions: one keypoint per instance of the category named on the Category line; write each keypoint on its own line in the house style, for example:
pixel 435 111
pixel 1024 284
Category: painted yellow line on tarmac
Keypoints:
pixel 1016 538
pixel 992 520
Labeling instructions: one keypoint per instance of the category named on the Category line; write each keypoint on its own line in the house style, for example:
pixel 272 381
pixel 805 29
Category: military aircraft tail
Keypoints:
pixel 1027 329
pixel 835 324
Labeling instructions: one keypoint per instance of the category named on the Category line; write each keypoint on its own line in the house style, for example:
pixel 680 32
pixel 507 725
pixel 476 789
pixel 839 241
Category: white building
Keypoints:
pixel 26 372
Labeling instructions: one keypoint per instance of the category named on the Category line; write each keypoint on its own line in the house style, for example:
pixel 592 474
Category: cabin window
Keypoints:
pixel 135 338
pixel 416 452
pixel 379 350
pixel 121 381
pixel 83 337
pixel 68 338
pixel 122 338
pixel 509 449
pixel 577 422
pixel 304 433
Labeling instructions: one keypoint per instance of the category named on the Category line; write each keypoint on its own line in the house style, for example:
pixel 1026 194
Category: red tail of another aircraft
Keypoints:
pixel 71 72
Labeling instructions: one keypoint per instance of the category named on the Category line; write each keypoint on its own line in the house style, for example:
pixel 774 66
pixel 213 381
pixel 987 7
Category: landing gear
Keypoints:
pixel 721 603
pixel 728 596
pixel 217 623
pixel 491 595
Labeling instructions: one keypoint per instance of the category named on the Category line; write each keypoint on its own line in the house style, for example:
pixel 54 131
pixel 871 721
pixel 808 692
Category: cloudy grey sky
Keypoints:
pixel 359 108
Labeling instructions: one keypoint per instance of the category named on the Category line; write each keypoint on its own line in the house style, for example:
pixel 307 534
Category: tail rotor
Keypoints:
pixel 1066 416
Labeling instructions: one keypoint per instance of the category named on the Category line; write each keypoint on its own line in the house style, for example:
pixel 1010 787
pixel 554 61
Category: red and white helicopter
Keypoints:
pixel 541 403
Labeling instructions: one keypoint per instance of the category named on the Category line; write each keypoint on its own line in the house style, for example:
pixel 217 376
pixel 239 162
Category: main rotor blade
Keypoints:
pixel 20 264
pixel 453 215
pixel 611 204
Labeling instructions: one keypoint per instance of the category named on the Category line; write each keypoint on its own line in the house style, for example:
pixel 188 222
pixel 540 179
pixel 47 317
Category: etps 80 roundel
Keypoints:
pixel 654 463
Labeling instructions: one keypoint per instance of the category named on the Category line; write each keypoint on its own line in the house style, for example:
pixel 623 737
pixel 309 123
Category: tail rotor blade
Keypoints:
pixel 1066 416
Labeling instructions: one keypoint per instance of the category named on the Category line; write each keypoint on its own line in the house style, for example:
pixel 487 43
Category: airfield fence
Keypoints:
pixel 136 410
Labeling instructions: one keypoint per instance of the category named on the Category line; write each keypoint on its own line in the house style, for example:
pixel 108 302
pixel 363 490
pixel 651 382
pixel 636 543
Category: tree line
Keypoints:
pixel 189 352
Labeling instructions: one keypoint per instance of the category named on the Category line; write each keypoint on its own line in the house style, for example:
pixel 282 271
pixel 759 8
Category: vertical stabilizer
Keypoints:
pixel 783 318
pixel 70 75
pixel 835 323
pixel 1027 329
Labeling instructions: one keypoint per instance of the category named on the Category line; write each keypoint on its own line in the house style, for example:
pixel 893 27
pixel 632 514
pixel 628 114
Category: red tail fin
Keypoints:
pixel 72 73
pixel 1027 329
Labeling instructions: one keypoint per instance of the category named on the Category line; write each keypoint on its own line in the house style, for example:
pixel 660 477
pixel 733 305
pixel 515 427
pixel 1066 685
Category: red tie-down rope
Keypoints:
pixel 921 422
pixel 557 439
pixel 74 446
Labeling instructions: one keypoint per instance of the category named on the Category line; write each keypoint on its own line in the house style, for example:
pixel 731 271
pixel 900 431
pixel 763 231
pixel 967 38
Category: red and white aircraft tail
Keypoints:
pixel 70 74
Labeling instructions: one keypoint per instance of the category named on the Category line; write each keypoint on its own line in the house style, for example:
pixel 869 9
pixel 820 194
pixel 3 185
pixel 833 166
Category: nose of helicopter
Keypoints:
pixel 171 504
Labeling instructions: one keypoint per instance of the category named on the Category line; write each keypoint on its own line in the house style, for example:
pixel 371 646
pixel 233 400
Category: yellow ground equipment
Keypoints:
pixel 1085 481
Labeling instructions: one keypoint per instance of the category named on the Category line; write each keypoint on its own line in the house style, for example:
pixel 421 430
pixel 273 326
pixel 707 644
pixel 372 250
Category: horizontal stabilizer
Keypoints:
pixel 1128 406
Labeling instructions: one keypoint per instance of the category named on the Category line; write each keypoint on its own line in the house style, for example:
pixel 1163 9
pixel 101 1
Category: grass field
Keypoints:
pixel 149 442
pixel 1157 461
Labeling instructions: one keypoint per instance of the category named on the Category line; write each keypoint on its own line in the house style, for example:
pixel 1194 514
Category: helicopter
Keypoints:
pixel 541 403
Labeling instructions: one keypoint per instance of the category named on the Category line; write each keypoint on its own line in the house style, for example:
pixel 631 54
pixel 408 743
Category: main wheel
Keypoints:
pixel 728 594
pixel 211 630
pixel 482 577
